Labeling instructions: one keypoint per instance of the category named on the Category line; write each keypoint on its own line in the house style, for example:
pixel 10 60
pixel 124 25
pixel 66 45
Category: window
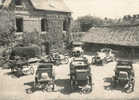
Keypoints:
pixel 64 26
pixel 44 25
pixel 19 24
pixel 18 2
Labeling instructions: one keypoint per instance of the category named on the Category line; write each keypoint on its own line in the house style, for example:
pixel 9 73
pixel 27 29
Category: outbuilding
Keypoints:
pixel 122 38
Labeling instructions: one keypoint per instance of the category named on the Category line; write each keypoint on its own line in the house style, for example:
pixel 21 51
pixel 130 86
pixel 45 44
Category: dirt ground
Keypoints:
pixel 13 88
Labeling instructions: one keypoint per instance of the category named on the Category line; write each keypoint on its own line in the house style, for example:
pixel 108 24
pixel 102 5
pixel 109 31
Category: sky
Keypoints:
pixel 103 8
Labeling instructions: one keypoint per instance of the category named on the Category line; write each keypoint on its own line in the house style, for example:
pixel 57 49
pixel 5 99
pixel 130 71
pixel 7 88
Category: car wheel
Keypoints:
pixel 29 91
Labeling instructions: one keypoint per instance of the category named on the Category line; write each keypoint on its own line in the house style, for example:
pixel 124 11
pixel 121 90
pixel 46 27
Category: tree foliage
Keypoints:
pixel 7 27
pixel 86 22
pixel 31 38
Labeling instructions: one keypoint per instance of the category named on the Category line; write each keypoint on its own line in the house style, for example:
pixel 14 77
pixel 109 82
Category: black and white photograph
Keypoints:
pixel 69 49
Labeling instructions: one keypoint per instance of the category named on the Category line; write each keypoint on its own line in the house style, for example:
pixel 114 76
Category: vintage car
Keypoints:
pixel 77 49
pixel 103 56
pixel 45 77
pixel 55 58
pixel 21 65
pixel 124 75
pixel 80 75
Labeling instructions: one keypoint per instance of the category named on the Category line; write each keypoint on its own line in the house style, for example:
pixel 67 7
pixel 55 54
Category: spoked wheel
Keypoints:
pixel 65 60
pixel 49 87
pixel 130 88
pixel 29 91
pixel 86 90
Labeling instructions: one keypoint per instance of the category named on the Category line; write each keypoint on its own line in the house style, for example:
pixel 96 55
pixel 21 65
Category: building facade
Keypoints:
pixel 51 17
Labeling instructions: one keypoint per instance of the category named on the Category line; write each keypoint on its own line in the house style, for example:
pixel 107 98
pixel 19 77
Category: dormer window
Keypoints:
pixel 18 2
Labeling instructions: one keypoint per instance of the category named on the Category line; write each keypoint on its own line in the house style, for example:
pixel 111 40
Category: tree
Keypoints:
pixel 7 27
pixel 86 22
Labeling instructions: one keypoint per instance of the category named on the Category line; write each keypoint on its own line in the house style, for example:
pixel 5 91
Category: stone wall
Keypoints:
pixel 32 22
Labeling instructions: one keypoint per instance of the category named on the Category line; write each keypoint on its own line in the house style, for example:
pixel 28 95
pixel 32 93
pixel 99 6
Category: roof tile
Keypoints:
pixel 126 36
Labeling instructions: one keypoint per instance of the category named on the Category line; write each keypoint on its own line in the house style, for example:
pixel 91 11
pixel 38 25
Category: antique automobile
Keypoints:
pixel 103 56
pixel 57 58
pixel 80 75
pixel 45 77
pixel 77 49
pixel 21 65
pixel 124 75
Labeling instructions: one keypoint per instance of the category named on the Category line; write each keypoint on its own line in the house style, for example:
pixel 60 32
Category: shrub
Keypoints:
pixel 28 51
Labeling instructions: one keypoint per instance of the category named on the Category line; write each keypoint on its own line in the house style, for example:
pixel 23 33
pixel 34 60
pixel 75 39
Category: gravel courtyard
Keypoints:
pixel 13 88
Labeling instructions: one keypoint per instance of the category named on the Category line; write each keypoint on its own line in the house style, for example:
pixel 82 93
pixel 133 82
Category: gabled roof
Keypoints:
pixel 116 35
pixel 50 5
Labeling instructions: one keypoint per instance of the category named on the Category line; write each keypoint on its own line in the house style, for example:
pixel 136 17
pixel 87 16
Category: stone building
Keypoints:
pixel 51 17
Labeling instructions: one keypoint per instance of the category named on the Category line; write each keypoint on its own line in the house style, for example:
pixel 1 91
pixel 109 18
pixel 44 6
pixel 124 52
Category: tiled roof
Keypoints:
pixel 50 5
pixel 117 35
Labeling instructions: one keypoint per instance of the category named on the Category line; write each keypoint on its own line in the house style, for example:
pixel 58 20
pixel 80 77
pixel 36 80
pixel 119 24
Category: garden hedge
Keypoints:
pixel 28 51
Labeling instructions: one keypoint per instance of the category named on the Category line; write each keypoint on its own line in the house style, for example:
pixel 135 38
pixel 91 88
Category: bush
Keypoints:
pixel 28 51
pixel 31 38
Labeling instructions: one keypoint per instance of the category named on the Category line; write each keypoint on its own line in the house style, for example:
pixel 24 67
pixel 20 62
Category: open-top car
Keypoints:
pixel 103 56
pixel 56 58
pixel 45 77
pixel 80 75
pixel 124 75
